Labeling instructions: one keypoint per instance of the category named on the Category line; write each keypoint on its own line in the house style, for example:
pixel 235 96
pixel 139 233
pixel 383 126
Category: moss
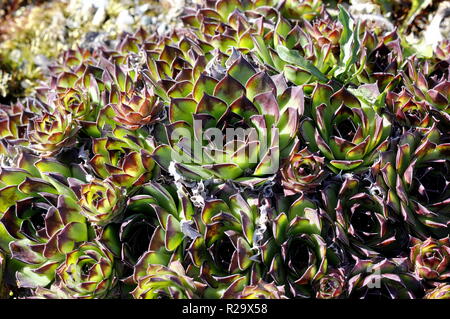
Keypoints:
pixel 36 34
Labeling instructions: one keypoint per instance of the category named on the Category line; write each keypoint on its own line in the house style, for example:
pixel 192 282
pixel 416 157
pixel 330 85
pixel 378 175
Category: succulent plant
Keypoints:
pixel 39 223
pixel 347 131
pixel 13 126
pixel 408 112
pixel 440 292
pixel 415 179
pixel 49 133
pixel 297 254
pixel 75 102
pixel 365 224
pixel 383 279
pixel 87 272
pixel 431 258
pixel 443 50
pixel 296 9
pixel 43 232
pixel 303 171
pixel 100 201
pixel 261 149
pixel 157 281
pixel 230 235
pixel 332 285
pixel 263 290
pixel 248 124
pixel 136 109
pixel 429 81
pixel 123 157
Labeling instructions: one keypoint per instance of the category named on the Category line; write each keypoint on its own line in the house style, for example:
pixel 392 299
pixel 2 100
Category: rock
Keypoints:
pixel 147 21
pixel 99 17
pixel 437 30
pixel 142 9
pixel 94 40
pixel 124 21
pixel 173 7
pixel 42 61
pixel 162 28
pixel 95 3
pixel 87 8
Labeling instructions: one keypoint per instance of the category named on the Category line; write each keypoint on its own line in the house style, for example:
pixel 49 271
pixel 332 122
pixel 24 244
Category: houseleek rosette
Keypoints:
pixel 236 127
pixel 40 221
pixel 87 272
pixel 332 285
pixel 262 290
pixel 123 157
pixel 129 237
pixel 50 132
pixel 408 112
pixel 77 90
pixel 431 258
pixel 14 120
pixel 101 201
pixel 365 224
pixel 135 107
pixel 43 232
pixel 157 218
pixel 428 81
pixel 75 101
pixel 230 235
pixel 383 279
pixel 303 171
pixel 297 254
pixel 156 281
pixel 440 292
pixel 442 50
pixel 415 177
pixel 346 130
pixel 382 57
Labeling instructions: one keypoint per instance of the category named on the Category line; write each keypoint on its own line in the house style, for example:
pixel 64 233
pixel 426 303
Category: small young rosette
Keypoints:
pixel 123 158
pixel 303 171
pixel 332 285
pixel 408 112
pixel 14 120
pixel 431 258
pixel 50 132
pixel 87 272
pixel 101 201
pixel 75 101
pixel 135 108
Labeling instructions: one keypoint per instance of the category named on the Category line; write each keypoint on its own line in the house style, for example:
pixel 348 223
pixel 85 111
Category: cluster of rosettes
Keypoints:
pixel 266 150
